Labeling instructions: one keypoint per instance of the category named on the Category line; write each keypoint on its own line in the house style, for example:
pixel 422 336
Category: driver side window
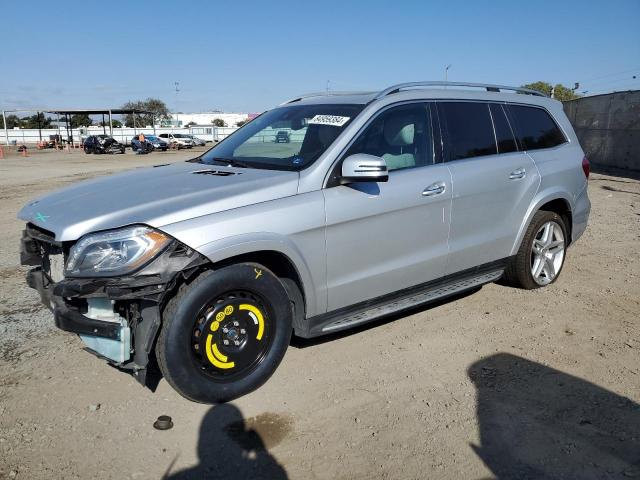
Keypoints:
pixel 401 135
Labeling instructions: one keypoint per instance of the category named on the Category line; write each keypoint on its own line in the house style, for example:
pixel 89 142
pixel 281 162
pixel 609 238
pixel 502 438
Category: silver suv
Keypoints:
pixel 379 202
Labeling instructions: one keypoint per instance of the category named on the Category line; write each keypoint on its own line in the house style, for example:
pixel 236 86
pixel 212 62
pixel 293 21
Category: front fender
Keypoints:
pixel 225 248
pixel 542 197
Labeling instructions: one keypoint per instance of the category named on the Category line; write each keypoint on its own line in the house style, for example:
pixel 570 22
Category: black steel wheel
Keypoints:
pixel 232 334
pixel 224 334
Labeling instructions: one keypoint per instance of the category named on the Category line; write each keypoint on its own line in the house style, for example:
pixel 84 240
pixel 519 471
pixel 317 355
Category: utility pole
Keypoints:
pixel 328 85
pixel 176 85
pixel 446 72
pixel 6 133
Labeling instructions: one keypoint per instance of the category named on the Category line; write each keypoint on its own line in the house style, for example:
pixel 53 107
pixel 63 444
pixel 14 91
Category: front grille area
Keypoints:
pixel 39 248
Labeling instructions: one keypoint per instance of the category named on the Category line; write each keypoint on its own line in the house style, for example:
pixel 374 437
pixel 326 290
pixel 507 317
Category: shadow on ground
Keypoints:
pixel 231 447
pixel 615 172
pixel 537 422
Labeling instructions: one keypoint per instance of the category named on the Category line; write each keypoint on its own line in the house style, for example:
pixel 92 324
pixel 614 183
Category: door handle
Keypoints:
pixel 434 189
pixel 516 174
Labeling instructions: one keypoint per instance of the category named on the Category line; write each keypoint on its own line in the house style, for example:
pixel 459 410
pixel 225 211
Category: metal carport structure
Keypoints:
pixel 78 111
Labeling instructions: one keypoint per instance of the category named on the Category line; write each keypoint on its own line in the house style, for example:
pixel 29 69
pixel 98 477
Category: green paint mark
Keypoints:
pixel 41 217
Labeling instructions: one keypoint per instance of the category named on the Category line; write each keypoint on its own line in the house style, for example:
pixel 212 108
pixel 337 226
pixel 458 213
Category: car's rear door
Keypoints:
pixel 384 237
pixel 493 182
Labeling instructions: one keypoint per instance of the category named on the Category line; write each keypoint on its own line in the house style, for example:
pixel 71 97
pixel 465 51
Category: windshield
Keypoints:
pixel 261 143
pixel 180 135
pixel 153 138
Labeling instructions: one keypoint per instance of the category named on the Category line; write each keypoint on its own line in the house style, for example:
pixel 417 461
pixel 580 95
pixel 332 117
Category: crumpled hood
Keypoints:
pixel 155 196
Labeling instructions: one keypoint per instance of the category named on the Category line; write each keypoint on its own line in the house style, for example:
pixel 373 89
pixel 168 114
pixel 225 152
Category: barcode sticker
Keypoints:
pixel 333 120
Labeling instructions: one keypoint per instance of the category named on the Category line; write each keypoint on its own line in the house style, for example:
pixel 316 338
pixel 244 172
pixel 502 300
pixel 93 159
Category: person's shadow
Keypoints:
pixel 227 450
pixel 537 422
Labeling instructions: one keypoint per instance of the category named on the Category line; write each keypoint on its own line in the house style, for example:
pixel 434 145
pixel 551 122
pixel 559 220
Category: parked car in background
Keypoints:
pixel 282 137
pixel 142 147
pixel 180 140
pixel 393 199
pixel 158 143
pixel 102 144
pixel 197 142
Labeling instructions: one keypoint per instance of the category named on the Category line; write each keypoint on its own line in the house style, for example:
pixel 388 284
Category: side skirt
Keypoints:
pixel 395 302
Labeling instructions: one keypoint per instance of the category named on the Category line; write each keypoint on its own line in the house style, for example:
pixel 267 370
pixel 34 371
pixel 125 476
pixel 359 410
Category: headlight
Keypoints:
pixel 114 252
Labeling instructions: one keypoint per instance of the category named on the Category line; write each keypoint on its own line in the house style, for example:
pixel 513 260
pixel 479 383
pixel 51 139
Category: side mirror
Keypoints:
pixel 362 167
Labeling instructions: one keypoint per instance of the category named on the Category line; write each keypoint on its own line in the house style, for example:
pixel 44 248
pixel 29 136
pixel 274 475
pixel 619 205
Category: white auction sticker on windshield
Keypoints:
pixel 333 120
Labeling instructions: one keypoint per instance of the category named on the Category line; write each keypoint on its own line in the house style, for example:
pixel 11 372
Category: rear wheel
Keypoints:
pixel 225 333
pixel 539 261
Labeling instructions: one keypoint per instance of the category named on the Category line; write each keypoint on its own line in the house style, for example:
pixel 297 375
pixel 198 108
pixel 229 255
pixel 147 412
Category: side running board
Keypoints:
pixel 378 308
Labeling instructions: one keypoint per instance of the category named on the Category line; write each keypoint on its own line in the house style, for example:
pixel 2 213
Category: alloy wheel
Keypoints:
pixel 547 253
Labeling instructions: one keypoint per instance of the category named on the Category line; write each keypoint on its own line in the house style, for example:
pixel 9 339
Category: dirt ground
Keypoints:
pixel 498 383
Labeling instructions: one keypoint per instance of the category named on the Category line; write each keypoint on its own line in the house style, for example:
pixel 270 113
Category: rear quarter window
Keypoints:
pixel 535 128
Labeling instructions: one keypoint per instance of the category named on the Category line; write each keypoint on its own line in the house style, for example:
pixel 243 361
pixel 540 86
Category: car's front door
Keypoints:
pixel 387 236
pixel 493 183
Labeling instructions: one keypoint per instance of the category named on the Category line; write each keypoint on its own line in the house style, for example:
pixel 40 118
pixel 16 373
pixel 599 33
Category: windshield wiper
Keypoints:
pixel 232 162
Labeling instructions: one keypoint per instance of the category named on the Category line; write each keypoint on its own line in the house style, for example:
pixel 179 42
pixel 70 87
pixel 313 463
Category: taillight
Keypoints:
pixel 586 167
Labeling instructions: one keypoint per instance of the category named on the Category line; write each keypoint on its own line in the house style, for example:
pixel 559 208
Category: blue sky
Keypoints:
pixel 249 56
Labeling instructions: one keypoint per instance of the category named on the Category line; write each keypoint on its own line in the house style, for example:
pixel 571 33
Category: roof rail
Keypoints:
pixel 331 93
pixel 488 87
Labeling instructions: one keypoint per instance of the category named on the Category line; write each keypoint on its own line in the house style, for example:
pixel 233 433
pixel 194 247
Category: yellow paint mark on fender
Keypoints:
pixel 258 272
pixel 258 314
pixel 216 357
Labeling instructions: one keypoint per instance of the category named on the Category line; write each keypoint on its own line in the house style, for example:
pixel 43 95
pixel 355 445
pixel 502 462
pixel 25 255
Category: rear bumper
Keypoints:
pixel 581 211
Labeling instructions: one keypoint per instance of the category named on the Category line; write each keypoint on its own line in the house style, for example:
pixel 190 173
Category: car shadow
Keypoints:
pixel 537 422
pixel 228 449
pixel 615 172
pixel 299 342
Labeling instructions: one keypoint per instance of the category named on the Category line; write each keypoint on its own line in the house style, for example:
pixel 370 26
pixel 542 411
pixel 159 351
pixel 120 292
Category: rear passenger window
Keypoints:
pixel 535 128
pixel 504 134
pixel 470 133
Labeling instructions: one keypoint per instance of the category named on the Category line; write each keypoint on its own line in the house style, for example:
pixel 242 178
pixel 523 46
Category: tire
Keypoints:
pixel 520 271
pixel 245 304
pixel 87 151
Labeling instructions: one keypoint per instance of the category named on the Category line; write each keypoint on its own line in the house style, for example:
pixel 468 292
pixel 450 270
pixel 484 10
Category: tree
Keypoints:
pixel 158 109
pixel 190 124
pixel 241 123
pixel 218 122
pixel 116 123
pixel 12 121
pixel 560 93
pixel 35 121
pixel 80 120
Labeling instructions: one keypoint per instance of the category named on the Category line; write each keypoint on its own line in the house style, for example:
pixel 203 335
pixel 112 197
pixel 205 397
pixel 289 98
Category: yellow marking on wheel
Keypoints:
pixel 220 316
pixel 214 326
pixel 258 272
pixel 259 317
pixel 228 310
pixel 218 354
pixel 216 357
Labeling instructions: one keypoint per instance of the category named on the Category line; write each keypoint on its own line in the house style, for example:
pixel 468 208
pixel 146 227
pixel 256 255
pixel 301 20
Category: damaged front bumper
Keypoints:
pixel 117 318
